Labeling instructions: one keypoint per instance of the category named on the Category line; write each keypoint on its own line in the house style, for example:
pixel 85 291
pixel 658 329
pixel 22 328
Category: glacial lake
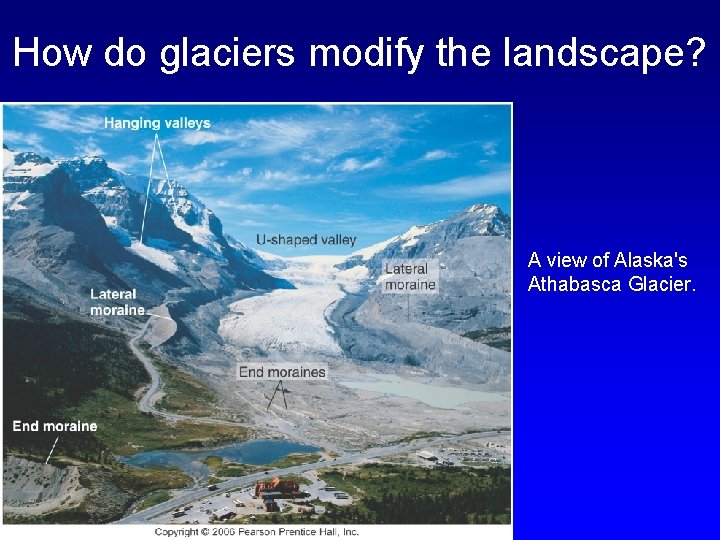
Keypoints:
pixel 257 452
pixel 440 397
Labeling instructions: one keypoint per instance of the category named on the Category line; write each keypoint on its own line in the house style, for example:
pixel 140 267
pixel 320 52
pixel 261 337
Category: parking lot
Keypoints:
pixel 217 505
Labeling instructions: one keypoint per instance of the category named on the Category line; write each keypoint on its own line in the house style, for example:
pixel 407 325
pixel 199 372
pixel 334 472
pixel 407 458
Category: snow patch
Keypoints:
pixel 269 256
pixel 102 190
pixel 110 221
pixel 8 158
pixel 413 232
pixel 156 256
pixel 12 202
pixel 368 252
pixel 201 235
pixel 410 242
pixel 27 169
pixel 354 274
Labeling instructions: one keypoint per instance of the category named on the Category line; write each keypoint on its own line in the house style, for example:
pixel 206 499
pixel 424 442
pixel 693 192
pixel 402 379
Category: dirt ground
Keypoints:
pixel 32 488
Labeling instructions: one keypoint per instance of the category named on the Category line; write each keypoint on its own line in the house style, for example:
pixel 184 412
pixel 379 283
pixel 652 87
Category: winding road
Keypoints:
pixel 147 402
pixel 190 495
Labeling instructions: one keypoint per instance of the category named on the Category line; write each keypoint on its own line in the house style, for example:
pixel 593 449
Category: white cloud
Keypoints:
pixel 128 163
pixel 358 222
pixel 355 165
pixel 251 223
pixel 24 141
pixel 302 148
pixel 434 155
pixel 461 188
pixel 276 180
pixel 241 213
pixel 262 137
pixel 253 214
pixel 489 148
pixel 314 139
pixel 257 209
pixel 89 148
pixel 344 192
pixel 205 171
pixel 275 175
pixel 65 119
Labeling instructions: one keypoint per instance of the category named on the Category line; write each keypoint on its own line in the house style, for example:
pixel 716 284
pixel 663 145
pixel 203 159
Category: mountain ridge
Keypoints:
pixel 427 241
pixel 74 224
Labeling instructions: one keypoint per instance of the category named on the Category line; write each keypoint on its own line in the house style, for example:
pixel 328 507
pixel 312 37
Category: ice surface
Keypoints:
pixel 296 319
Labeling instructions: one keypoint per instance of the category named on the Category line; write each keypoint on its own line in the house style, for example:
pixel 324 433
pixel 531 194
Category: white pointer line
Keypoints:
pixel 51 450
pixel 162 159
pixel 161 316
pixel 147 194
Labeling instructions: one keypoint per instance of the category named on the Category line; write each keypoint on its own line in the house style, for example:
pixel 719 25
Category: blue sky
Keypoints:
pixel 359 170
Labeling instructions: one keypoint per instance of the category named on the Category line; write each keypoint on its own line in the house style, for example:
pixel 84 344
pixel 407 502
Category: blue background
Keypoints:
pixel 615 395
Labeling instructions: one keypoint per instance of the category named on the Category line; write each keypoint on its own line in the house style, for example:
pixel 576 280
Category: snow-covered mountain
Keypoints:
pixel 429 241
pixel 473 251
pixel 72 225
pixel 181 234
pixel 337 310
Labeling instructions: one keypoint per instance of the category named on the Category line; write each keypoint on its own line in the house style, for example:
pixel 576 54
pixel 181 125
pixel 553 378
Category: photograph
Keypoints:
pixel 257 313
